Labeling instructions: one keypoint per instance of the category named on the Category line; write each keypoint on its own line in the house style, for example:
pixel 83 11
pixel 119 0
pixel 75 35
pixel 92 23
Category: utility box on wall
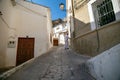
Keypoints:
pixel 11 44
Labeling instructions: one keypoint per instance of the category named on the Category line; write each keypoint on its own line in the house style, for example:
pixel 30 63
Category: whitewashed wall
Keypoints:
pixel 49 28
pixel 59 31
pixel 116 7
pixel 3 42
pixel 27 19
pixel 5 27
pixel 70 22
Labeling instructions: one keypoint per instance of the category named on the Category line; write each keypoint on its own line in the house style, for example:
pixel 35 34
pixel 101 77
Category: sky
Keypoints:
pixel 54 7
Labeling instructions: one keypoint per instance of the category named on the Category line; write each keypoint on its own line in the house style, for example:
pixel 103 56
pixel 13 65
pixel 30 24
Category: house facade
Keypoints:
pixel 96 25
pixel 95 32
pixel 59 31
pixel 21 23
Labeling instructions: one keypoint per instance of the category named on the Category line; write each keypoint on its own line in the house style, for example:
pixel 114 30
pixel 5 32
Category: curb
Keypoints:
pixel 8 73
pixel 11 71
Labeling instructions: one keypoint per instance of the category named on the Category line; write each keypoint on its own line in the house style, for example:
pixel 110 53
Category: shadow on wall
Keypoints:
pixel 85 42
pixel 92 42
pixel 81 27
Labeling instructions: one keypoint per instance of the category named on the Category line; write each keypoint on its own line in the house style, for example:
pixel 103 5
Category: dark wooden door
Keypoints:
pixel 55 42
pixel 25 50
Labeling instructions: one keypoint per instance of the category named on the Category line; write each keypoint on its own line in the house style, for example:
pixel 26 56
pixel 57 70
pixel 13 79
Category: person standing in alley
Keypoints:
pixel 66 41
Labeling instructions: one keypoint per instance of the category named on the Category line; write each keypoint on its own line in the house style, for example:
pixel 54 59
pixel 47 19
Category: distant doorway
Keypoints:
pixel 25 50
pixel 55 41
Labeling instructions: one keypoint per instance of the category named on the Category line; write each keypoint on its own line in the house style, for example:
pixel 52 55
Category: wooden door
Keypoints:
pixel 55 42
pixel 25 50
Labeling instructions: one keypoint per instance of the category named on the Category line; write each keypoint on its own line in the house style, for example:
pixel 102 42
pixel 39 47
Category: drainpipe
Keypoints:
pixel 97 33
pixel 73 16
pixel 98 40
pixel 73 25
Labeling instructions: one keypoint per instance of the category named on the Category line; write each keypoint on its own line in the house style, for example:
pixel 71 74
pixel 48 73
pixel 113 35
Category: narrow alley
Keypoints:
pixel 32 32
pixel 56 64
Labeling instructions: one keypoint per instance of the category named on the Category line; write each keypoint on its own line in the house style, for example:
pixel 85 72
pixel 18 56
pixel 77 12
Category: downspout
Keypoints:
pixel 73 26
pixel 97 34
pixel 98 40
pixel 93 24
pixel 73 16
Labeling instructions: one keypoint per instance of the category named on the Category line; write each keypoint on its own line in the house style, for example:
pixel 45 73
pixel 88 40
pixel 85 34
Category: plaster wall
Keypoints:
pixel 70 21
pixel 59 32
pixel 5 28
pixel 82 14
pixel 82 20
pixel 24 19
pixel 3 43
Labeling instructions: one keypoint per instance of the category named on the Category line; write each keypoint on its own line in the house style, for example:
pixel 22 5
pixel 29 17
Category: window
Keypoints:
pixel 105 12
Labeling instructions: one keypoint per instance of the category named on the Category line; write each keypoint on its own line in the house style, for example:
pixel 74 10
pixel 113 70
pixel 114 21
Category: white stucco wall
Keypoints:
pixel 116 7
pixel 49 28
pixel 106 65
pixel 59 31
pixel 4 29
pixel 3 42
pixel 70 21
pixel 27 19
pixel 91 14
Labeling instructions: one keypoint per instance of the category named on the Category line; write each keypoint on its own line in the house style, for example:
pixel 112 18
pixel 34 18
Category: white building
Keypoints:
pixel 96 32
pixel 59 32
pixel 70 21
pixel 22 20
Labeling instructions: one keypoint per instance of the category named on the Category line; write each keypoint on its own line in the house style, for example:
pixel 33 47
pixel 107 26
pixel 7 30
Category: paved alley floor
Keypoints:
pixel 57 64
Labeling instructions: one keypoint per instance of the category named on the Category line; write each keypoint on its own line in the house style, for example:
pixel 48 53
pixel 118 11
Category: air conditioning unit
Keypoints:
pixel 13 2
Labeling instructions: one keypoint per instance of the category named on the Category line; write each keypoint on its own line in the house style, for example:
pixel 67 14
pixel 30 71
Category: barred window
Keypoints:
pixel 105 12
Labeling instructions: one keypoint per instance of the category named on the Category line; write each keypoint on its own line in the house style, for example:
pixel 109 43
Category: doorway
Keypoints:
pixel 55 41
pixel 25 50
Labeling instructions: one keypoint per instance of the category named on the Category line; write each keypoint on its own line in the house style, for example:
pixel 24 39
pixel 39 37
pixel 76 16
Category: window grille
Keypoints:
pixel 105 12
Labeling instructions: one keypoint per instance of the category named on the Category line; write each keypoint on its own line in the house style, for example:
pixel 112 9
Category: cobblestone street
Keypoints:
pixel 56 64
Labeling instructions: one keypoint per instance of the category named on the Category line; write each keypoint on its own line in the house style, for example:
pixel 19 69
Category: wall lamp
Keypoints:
pixel 62 7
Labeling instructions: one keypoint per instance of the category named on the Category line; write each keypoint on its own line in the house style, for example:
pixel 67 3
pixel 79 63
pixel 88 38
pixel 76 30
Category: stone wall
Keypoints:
pixel 94 42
